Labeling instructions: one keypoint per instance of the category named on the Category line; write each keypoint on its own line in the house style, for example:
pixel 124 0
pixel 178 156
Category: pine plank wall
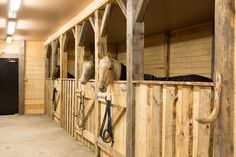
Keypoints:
pixel 190 52
pixel 34 73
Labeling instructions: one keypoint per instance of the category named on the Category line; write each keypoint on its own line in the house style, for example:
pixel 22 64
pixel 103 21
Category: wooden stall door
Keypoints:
pixel 86 136
pixel 117 92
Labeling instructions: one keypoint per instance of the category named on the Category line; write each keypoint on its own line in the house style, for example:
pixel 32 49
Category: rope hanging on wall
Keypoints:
pixel 107 134
pixel 81 118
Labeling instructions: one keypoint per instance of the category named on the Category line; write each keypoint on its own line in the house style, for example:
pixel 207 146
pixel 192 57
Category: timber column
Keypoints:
pixel 135 54
pixel 100 50
pixel 224 64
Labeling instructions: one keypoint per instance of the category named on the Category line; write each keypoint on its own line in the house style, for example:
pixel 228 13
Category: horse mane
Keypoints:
pixel 117 67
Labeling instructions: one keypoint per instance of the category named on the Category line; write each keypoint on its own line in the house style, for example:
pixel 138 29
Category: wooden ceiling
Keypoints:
pixel 38 19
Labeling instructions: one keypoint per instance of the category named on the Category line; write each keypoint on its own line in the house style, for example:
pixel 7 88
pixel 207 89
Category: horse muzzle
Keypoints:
pixel 83 81
pixel 102 88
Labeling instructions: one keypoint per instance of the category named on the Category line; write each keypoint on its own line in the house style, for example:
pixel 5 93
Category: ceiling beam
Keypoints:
pixel 89 10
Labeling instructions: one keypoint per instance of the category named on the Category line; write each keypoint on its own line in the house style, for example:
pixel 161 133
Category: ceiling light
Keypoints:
pixel 9 39
pixel 15 5
pixel 11 27
pixel 11 14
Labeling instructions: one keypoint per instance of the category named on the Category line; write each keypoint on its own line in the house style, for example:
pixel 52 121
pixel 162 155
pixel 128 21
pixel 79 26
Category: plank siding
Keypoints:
pixel 34 78
pixel 190 52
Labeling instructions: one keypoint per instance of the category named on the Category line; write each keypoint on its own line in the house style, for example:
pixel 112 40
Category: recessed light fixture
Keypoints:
pixel 15 5
pixel 11 14
pixel 9 39
pixel 11 27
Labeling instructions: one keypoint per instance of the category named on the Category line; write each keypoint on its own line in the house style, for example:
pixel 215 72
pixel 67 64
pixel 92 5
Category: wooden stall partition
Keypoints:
pixel 57 105
pixel 85 136
pixel 48 97
pixel 165 124
pixel 68 105
pixel 117 92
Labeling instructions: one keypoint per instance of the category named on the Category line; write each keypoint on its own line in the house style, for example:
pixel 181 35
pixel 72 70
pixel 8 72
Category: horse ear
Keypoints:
pixel 91 57
pixel 109 55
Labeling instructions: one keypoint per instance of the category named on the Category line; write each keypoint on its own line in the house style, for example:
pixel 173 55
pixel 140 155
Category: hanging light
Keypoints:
pixel 15 5
pixel 9 39
pixel 11 14
pixel 11 27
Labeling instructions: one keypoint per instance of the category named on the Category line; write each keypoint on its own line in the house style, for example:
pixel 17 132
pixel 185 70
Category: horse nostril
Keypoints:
pixel 101 87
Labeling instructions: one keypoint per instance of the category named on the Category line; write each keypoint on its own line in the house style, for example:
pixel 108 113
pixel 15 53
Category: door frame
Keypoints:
pixel 21 74
pixel 21 66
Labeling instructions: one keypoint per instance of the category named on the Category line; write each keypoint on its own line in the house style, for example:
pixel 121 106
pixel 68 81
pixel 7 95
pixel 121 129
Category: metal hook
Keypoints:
pixel 108 97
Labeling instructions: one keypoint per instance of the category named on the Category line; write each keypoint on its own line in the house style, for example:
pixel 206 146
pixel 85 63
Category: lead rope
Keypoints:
pixel 107 134
pixel 81 118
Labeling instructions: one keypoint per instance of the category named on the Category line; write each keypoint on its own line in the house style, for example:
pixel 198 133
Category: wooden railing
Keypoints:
pixel 165 113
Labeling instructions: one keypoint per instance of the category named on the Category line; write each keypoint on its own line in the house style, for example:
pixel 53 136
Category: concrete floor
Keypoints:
pixel 37 136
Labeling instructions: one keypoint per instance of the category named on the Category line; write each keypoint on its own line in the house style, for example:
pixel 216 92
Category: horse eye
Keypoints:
pixel 109 68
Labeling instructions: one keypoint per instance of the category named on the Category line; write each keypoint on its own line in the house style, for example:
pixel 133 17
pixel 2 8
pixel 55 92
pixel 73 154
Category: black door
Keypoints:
pixel 8 86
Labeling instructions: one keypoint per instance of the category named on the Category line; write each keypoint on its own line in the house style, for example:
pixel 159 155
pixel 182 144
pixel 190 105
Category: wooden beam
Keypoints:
pixel 91 20
pixel 100 50
pixel 63 56
pixel 224 64
pixel 88 11
pixel 83 33
pixel 141 10
pixel 122 7
pixel 54 46
pixel 135 61
pixel 167 54
pixel 65 43
pixel 106 19
pixel 47 63
pixel 21 77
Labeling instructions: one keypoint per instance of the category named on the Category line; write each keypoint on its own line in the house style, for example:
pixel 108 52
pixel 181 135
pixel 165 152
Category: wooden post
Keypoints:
pixel 62 48
pixel 77 63
pixel 21 77
pixel 167 54
pixel 224 64
pixel 135 54
pixel 46 75
pixel 100 51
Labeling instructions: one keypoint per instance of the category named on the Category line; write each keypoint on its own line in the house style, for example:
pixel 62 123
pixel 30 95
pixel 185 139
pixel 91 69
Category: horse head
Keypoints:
pixel 88 70
pixel 108 70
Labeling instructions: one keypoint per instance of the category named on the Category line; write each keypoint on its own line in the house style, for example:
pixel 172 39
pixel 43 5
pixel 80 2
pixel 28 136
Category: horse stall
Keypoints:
pixel 147 118
pixel 59 86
